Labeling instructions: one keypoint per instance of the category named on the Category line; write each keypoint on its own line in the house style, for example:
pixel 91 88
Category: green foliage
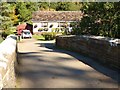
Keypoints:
pixel 43 5
pixel 68 6
pixel 49 35
pixel 41 29
pixel 62 6
pixel 53 5
pixel 59 6
pixel 24 10
pixel 74 6
pixel 5 15
pixel 6 33
pixel 8 18
pixel 100 19
pixel 1 39
pixel 57 30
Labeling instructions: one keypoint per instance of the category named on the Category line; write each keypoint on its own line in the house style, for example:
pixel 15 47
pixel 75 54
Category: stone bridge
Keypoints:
pixel 40 64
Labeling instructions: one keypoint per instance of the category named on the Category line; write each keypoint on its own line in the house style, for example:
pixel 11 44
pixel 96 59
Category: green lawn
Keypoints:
pixel 39 37
pixel 1 39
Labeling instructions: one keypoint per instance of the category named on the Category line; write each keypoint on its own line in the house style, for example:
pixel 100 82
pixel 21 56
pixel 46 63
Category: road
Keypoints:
pixel 42 65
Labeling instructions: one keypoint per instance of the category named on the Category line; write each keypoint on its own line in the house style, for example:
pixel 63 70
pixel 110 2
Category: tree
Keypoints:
pixel 74 6
pixel 68 6
pixel 62 6
pixel 24 10
pixel 100 19
pixel 7 21
pixel 13 16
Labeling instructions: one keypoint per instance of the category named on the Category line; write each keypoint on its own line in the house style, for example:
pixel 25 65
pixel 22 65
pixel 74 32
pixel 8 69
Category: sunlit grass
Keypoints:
pixel 38 37
pixel 1 39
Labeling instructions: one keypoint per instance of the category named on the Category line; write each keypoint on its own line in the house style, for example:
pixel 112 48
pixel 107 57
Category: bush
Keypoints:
pixel 4 35
pixel 40 29
pixel 49 35
pixel 6 32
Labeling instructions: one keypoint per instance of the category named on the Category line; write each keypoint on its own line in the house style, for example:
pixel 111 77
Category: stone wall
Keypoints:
pixel 104 50
pixel 7 62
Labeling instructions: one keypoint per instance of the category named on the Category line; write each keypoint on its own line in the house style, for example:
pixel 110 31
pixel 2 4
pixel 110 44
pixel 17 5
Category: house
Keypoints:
pixel 54 20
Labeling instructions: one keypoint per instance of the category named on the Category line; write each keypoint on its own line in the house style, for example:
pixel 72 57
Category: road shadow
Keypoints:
pixel 114 74
pixel 38 69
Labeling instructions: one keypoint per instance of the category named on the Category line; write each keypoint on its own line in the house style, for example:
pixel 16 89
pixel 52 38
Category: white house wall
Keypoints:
pixel 55 25
pixel 39 25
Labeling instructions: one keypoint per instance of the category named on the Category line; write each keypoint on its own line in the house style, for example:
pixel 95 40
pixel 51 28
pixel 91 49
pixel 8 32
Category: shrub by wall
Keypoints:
pixel 49 35
pixel 102 49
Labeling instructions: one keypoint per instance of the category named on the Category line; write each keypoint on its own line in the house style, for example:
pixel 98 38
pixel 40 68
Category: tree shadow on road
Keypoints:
pixel 114 74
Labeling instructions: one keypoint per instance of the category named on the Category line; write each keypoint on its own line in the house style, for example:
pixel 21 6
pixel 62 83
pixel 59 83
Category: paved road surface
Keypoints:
pixel 44 66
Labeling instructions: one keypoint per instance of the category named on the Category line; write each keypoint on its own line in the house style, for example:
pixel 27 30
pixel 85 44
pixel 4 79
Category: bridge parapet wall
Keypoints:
pixel 101 49
pixel 8 49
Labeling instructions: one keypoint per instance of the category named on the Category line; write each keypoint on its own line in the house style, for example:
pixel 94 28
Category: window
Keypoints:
pixel 44 24
pixel 35 26
pixel 51 26
pixel 62 24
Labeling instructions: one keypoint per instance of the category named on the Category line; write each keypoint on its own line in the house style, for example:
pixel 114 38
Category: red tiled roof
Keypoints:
pixel 57 16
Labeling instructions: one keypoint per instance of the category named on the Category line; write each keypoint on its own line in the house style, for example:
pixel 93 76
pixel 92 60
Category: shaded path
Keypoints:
pixel 44 66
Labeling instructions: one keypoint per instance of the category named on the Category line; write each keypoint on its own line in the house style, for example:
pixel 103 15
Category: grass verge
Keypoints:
pixel 1 39
pixel 39 37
